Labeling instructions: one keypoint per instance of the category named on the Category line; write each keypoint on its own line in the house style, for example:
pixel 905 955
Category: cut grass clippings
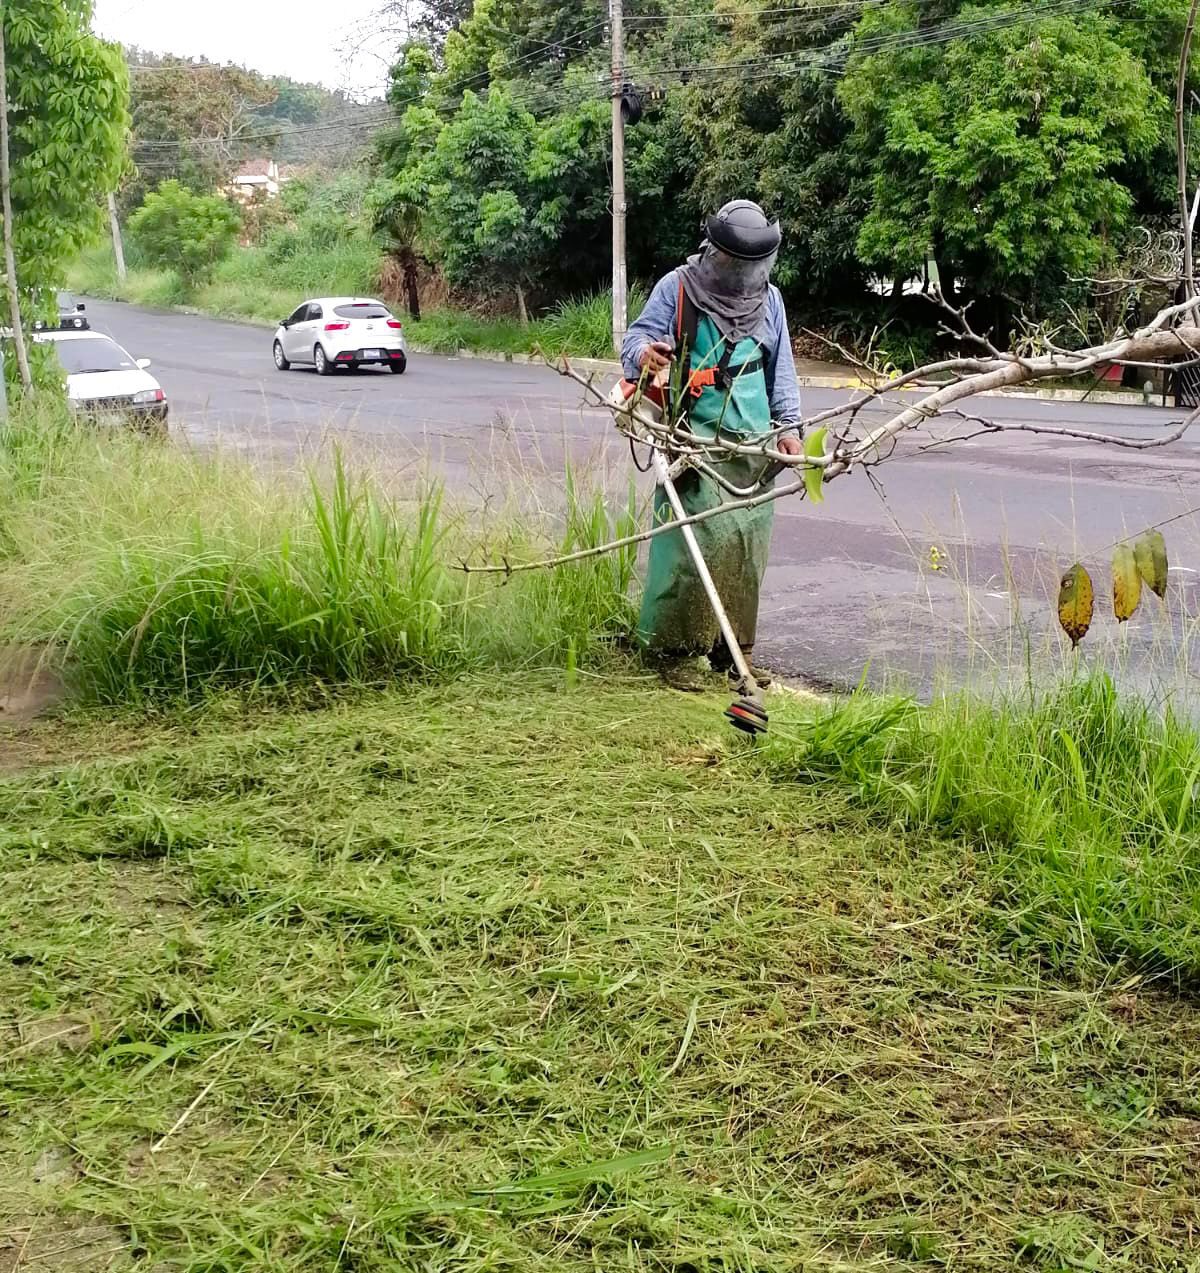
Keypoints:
pixel 502 976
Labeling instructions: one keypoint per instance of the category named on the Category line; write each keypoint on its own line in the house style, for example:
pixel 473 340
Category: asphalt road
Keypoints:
pixel 852 587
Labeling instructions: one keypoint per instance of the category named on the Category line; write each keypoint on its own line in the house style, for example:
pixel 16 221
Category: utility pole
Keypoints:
pixel 10 264
pixel 620 282
pixel 118 244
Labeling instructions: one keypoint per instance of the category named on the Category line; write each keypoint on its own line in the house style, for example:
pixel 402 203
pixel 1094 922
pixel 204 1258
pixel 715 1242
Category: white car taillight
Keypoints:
pixel 149 395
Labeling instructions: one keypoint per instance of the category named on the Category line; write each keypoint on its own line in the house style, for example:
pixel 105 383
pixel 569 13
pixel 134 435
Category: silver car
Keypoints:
pixel 341 331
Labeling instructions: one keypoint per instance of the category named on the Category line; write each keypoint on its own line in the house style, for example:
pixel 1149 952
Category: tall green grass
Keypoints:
pixel 250 284
pixel 582 325
pixel 1083 801
pixel 93 273
pixel 152 573
pixel 446 331
pixel 266 283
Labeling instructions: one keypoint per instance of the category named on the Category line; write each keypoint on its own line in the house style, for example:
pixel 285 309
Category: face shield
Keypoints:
pixel 735 276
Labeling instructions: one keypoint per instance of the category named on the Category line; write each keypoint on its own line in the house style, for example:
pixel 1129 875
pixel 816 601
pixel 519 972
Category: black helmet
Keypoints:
pixel 741 229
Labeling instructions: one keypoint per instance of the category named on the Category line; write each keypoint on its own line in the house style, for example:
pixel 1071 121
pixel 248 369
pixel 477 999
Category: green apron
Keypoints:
pixel 676 617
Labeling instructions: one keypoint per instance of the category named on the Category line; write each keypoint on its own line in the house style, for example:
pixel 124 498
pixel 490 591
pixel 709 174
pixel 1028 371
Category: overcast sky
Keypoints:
pixel 330 42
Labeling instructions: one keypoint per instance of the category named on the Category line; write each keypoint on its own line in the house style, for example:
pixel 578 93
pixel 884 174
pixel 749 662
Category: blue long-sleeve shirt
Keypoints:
pixel 657 322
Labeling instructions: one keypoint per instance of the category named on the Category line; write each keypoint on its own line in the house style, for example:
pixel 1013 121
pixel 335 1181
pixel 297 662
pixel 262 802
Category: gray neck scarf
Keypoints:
pixel 732 292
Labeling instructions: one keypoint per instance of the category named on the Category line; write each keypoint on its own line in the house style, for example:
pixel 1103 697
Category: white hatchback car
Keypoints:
pixel 341 331
pixel 102 379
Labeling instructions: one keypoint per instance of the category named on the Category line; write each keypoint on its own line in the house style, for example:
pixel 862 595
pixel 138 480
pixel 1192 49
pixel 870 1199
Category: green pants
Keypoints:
pixel 676 617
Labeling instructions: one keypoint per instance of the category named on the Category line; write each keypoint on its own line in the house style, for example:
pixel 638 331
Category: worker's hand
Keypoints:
pixel 790 444
pixel 656 356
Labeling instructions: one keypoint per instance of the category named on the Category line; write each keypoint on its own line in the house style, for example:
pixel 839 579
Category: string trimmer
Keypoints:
pixel 746 712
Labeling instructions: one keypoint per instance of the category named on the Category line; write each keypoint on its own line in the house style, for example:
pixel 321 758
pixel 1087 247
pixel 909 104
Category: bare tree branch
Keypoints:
pixel 1079 435
pixel 1150 346
pixel 767 497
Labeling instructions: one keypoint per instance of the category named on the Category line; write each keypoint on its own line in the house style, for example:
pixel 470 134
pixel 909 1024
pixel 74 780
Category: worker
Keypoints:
pixel 723 312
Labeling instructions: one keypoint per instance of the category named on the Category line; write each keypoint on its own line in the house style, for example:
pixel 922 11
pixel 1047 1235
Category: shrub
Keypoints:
pixel 190 233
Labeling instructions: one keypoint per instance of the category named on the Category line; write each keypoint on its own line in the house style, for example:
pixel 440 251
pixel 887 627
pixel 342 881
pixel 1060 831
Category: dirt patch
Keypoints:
pixel 49 1033
pixel 55 1168
pixel 145 894
pixel 28 687
pixel 54 1244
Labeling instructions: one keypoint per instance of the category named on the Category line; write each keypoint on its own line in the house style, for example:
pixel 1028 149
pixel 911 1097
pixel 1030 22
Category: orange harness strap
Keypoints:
pixel 703 378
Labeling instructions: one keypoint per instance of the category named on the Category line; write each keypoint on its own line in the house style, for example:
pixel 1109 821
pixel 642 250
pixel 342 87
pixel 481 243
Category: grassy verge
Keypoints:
pixel 511 977
pixel 252 285
pixel 265 580
pixel 1083 802
pixel 523 964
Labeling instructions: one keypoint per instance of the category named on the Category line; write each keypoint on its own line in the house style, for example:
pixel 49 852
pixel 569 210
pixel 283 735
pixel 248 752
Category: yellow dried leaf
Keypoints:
pixel 1127 583
pixel 1076 601
pixel 1150 553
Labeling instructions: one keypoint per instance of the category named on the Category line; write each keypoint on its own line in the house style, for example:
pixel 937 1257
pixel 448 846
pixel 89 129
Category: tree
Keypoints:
pixel 189 233
pixel 509 243
pixel 783 140
pixel 1000 154
pixel 6 213
pixel 295 104
pixel 434 19
pixel 569 197
pixel 193 122
pixel 519 107
pixel 397 199
pixel 483 152
pixel 68 99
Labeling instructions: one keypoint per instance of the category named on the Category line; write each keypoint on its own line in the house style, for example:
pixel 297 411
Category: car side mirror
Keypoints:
pixel 81 309
pixel 144 363
pixel 285 323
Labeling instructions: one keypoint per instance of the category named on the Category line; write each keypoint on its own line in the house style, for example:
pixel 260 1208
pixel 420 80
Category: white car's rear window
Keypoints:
pixel 98 354
pixel 362 309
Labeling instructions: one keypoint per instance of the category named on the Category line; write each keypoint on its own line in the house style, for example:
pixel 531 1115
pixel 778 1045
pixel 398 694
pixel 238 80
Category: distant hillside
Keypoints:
pixel 196 121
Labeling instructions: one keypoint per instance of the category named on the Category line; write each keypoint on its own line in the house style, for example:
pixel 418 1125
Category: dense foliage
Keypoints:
pixel 188 232
pixel 1010 147
pixel 195 122
pixel 1000 156
pixel 68 113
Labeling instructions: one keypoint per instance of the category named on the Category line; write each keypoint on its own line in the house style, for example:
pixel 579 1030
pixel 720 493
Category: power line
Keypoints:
pixel 819 59
pixel 811 8
pixel 390 109
pixel 558 97
pixel 753 68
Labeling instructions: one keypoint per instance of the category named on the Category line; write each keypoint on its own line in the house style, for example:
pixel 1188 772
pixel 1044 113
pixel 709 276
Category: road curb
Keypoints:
pixel 1108 397
pixel 604 367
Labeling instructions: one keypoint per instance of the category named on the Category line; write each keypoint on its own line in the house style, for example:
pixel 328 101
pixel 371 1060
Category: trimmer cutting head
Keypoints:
pixel 748 715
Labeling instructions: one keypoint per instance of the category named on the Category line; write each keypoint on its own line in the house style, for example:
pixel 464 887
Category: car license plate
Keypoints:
pixel 372 353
